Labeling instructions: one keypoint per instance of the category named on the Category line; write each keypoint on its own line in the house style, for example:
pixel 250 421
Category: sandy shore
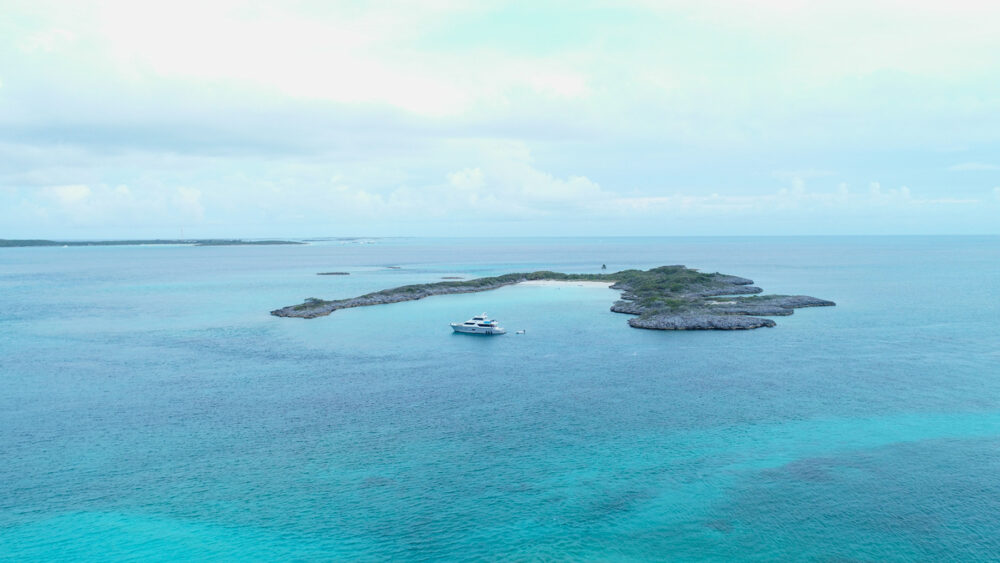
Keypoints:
pixel 567 283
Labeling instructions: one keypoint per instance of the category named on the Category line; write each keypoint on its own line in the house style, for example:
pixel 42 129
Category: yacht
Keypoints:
pixel 480 324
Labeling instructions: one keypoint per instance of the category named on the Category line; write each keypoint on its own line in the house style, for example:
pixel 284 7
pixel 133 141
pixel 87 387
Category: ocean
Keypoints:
pixel 151 409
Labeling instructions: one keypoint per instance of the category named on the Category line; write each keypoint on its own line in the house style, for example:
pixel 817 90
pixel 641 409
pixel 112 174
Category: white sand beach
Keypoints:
pixel 567 283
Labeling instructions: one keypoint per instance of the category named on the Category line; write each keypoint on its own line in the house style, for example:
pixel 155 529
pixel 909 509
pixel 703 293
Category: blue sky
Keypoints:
pixel 254 119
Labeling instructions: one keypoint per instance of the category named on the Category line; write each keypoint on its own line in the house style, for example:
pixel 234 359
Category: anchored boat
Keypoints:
pixel 479 325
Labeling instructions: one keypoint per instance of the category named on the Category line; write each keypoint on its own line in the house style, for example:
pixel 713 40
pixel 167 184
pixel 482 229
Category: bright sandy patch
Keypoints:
pixel 567 283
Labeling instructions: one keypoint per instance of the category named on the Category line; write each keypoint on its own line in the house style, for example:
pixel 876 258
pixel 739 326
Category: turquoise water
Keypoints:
pixel 151 409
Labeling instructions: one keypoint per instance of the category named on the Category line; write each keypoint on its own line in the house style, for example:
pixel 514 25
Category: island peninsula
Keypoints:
pixel 664 298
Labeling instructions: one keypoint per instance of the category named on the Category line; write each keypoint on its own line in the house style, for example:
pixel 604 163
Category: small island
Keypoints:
pixel 664 298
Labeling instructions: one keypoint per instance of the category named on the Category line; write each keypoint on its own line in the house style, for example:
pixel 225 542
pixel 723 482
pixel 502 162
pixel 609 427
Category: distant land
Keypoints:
pixel 191 242
pixel 664 298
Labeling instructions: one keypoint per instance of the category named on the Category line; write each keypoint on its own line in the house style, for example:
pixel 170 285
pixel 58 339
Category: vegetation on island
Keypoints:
pixel 665 298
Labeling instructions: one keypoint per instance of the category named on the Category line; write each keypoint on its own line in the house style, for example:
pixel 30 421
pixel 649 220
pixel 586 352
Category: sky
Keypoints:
pixel 124 119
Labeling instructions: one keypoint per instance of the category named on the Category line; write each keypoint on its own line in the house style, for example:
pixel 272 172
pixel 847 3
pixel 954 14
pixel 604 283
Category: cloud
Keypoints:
pixel 68 196
pixel 559 83
pixel 467 179
pixel 392 57
pixel 973 166
pixel 80 205
pixel 842 201
pixel 188 200
pixel 445 109
pixel 511 173
pixel 505 184
pixel 47 41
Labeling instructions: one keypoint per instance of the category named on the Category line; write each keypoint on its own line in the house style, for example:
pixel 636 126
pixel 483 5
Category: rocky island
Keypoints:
pixel 664 298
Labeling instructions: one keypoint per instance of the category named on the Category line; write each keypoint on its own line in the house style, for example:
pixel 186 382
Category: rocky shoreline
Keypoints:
pixel 664 298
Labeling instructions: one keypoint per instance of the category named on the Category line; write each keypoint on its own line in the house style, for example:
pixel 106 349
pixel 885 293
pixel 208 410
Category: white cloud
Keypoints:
pixel 113 206
pixel 512 174
pixel 891 196
pixel 505 184
pixel 186 199
pixel 559 83
pixel 47 41
pixel 467 179
pixel 386 54
pixel 784 200
pixel 433 109
pixel 326 52
pixel 68 196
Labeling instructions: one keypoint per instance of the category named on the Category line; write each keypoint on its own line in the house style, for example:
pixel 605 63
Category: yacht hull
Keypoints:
pixel 488 331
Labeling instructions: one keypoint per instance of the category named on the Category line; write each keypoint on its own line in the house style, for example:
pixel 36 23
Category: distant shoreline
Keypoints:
pixel 21 243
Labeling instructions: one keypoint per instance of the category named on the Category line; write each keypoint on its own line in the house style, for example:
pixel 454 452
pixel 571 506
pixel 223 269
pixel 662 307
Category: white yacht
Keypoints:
pixel 480 324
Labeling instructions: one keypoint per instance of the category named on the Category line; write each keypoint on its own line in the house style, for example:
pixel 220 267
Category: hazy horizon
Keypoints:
pixel 349 238
pixel 242 120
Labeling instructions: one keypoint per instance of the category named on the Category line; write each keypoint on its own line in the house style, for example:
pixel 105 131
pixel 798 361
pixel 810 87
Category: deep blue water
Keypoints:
pixel 151 409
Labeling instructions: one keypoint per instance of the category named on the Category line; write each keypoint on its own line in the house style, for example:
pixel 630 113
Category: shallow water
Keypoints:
pixel 152 409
